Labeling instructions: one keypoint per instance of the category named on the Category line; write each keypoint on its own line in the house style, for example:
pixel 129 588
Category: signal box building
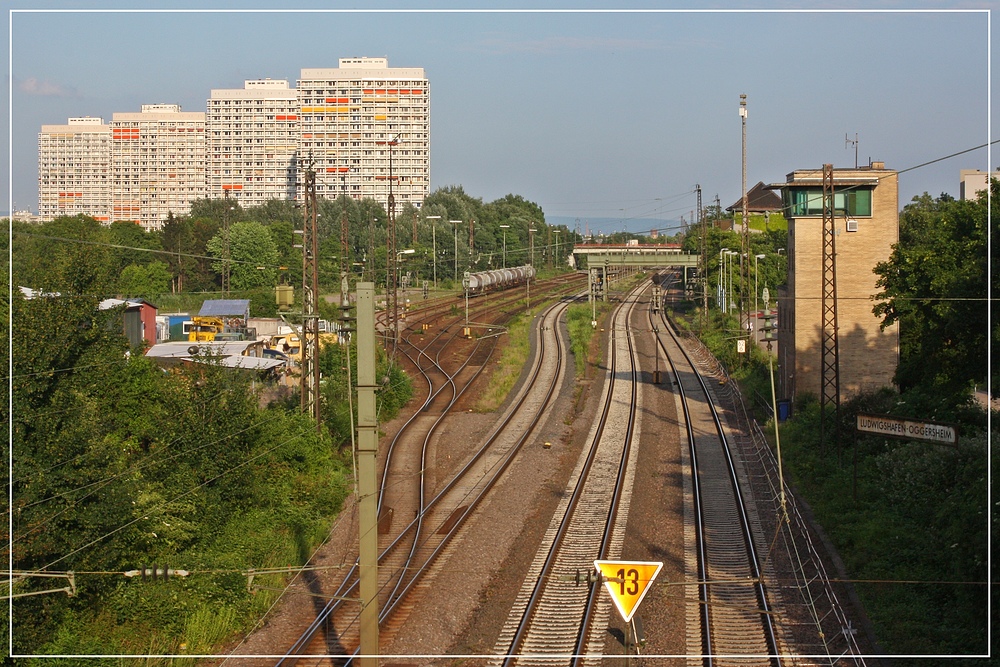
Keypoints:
pixel 866 223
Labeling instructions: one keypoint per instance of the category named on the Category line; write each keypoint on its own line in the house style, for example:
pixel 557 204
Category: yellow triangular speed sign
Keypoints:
pixel 628 582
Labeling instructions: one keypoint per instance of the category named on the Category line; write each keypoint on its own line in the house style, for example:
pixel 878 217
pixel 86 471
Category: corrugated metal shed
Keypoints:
pixel 225 308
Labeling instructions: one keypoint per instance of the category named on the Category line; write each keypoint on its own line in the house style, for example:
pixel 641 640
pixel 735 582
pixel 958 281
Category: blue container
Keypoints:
pixel 784 409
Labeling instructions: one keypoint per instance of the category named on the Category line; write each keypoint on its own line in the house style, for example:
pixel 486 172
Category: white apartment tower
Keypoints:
pixel 363 126
pixel 361 121
pixel 157 163
pixel 73 169
pixel 252 136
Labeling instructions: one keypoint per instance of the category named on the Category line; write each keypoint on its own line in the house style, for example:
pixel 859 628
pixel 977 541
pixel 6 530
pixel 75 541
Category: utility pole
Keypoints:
pixel 531 244
pixel 744 306
pixel 455 224
pixel 434 246
pixel 367 477
pixel 504 228
pixel 555 255
pixel 309 393
pixel 391 259
pixel 345 263
pixel 704 257
pixel 225 247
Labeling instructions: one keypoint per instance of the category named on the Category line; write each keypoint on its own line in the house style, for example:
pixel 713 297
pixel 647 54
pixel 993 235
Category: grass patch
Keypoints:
pixel 513 356
pixel 579 321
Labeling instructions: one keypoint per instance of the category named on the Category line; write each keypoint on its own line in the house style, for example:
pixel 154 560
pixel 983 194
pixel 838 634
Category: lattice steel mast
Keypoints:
pixel 829 356
pixel 309 394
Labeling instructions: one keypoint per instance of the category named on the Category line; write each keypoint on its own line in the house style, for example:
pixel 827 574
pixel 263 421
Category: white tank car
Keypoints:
pixel 499 279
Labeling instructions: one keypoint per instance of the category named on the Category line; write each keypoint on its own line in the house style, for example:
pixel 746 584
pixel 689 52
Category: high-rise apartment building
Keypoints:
pixel 365 125
pixel 157 163
pixel 252 136
pixel 74 169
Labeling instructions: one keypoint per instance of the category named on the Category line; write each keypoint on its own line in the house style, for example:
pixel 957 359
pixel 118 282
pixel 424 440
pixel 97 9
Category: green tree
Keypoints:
pixel 133 244
pixel 147 281
pixel 253 255
pixel 934 284
pixel 118 465
pixel 70 255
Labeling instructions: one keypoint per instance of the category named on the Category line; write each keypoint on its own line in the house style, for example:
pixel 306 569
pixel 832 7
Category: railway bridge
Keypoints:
pixel 606 262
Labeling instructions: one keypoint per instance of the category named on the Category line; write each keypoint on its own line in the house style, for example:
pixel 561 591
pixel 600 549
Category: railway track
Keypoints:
pixel 814 627
pixel 738 609
pixel 418 517
pixel 733 609
pixel 551 617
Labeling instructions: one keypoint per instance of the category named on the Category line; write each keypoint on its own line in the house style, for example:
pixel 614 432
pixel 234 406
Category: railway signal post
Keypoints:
pixel 367 477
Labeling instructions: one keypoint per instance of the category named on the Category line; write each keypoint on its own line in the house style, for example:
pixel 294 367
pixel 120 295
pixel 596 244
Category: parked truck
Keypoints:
pixel 209 328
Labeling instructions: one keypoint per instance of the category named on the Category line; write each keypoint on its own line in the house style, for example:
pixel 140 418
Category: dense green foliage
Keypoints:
pixel 909 519
pixel 911 523
pixel 185 256
pixel 118 465
pixel 249 253
pixel 935 285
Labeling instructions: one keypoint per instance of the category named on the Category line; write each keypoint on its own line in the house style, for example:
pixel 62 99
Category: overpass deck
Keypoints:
pixel 633 256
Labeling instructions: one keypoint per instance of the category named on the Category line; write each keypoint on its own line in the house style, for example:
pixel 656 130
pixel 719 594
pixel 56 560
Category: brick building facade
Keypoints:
pixel 866 217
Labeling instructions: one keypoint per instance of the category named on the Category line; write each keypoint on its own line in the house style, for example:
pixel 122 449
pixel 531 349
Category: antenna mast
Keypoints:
pixel 848 141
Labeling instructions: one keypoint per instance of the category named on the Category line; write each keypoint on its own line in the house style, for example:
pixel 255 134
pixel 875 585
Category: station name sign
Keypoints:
pixel 944 434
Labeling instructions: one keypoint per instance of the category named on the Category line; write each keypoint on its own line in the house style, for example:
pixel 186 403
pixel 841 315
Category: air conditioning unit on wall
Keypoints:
pixel 852 225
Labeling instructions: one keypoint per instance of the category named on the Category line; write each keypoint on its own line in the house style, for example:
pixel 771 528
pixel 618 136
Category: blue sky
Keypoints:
pixel 591 114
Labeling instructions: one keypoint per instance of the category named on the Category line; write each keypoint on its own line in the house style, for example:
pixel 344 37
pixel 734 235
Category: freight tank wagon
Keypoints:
pixel 499 279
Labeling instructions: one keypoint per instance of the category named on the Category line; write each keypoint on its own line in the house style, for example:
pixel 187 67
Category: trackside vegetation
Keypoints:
pixel 911 520
pixel 120 466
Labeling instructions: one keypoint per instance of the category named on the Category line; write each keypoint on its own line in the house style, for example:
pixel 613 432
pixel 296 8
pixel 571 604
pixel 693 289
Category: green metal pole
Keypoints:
pixel 367 476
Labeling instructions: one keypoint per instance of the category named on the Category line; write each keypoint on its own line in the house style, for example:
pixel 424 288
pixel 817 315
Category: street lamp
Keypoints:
pixel 456 223
pixel 755 283
pixel 434 246
pixel 557 232
pixel 732 291
pixel 720 289
pixel 531 243
pixel 504 228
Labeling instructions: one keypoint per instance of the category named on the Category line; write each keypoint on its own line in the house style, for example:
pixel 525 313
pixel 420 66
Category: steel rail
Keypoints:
pixel 766 613
pixel 528 614
pixel 348 585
